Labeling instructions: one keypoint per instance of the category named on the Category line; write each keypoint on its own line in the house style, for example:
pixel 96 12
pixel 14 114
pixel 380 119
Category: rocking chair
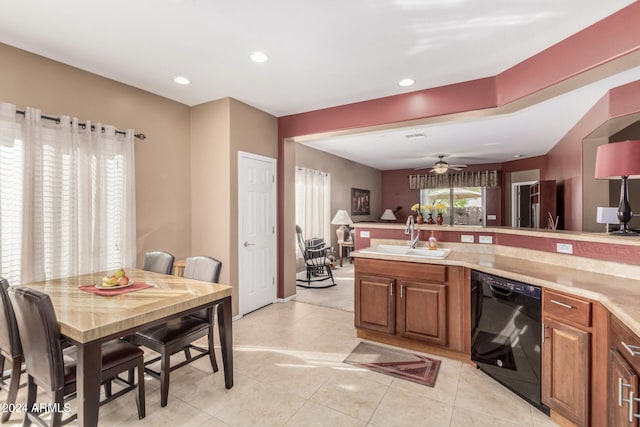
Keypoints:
pixel 317 264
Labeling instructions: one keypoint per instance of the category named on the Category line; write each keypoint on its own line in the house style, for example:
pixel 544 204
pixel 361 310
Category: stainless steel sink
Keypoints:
pixel 406 251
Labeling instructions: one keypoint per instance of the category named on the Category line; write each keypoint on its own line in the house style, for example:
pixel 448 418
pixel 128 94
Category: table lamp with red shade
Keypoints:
pixel 620 160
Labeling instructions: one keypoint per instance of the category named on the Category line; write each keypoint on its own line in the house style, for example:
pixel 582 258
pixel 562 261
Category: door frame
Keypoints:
pixel 241 217
pixel 515 201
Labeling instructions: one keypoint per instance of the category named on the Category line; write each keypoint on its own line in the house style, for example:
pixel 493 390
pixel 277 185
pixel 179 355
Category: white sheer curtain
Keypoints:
pixel 313 203
pixel 67 197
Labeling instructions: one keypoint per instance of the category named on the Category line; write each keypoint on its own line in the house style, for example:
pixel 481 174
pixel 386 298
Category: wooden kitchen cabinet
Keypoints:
pixel 405 302
pixel 566 356
pixel 376 305
pixel 623 381
pixel 422 311
pixel 624 366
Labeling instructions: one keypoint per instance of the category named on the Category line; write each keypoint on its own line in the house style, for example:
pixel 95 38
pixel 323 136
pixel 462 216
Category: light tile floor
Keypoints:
pixel 289 372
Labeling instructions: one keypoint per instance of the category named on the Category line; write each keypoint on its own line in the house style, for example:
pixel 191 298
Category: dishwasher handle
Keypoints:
pixel 501 290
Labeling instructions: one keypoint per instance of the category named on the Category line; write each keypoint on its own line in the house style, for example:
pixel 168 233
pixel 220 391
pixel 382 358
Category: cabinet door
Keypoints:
pixel 565 370
pixel 623 388
pixel 375 306
pixel 422 314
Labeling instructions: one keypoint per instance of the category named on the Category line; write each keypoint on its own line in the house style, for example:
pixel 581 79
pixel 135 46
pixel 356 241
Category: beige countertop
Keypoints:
pixel 574 275
pixel 534 232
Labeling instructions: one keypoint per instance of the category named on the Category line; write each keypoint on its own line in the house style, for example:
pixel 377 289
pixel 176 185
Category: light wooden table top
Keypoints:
pixel 84 316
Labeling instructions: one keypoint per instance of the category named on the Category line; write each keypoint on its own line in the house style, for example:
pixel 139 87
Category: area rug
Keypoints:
pixel 397 363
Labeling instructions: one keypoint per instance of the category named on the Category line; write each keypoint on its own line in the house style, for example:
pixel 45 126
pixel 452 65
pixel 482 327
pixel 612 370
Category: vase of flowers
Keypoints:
pixel 418 210
pixel 440 207
pixel 430 219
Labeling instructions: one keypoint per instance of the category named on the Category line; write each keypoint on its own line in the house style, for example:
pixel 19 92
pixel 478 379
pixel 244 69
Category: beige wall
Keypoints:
pixel 219 129
pixel 345 174
pixel 186 169
pixel 252 131
pixel 210 183
pixel 162 160
pixel 595 191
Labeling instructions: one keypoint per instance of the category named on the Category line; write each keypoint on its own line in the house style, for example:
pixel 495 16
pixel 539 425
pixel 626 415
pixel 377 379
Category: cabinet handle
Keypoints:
pixel 391 287
pixel 401 291
pixel 562 304
pixel 631 400
pixel 632 349
pixel 631 414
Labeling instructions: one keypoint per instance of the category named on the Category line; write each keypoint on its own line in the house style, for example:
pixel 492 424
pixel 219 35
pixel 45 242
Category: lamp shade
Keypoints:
pixel 618 159
pixel 341 218
pixel 388 215
pixel 607 215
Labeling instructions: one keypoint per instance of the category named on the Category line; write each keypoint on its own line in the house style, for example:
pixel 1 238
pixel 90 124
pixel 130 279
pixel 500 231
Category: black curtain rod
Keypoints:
pixel 140 136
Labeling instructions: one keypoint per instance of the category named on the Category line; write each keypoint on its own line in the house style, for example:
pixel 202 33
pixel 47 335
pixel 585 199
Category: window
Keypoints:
pixel 67 200
pixel 458 205
pixel 313 203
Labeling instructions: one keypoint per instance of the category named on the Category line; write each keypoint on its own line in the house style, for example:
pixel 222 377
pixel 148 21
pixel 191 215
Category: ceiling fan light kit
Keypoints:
pixel 442 167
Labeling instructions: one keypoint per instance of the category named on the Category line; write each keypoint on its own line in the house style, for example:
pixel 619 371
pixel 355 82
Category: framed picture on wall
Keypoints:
pixel 359 201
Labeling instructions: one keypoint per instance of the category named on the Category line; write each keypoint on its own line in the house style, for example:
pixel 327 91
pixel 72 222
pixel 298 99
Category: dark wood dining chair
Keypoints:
pixel 54 370
pixel 179 334
pixel 10 349
pixel 158 262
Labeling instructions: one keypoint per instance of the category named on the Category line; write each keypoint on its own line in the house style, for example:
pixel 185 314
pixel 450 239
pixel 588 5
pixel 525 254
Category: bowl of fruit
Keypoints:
pixel 117 280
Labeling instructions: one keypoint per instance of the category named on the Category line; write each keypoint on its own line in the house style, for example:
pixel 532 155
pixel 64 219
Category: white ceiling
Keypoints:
pixel 324 53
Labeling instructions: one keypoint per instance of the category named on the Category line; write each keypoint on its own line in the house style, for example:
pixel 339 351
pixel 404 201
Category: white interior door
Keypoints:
pixel 257 231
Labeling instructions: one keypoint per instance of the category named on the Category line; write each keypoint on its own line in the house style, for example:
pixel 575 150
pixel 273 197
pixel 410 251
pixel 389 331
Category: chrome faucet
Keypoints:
pixel 411 229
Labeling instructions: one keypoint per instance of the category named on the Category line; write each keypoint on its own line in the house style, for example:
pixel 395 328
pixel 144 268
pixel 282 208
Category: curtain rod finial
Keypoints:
pixel 140 136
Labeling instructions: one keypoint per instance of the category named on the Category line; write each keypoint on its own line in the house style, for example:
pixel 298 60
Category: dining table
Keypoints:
pixel 89 315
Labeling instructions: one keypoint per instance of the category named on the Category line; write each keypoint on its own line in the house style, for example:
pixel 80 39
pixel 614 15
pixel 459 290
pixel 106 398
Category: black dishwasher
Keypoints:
pixel 506 332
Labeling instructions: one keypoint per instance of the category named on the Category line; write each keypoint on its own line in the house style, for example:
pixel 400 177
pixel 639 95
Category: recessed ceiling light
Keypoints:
pixel 259 56
pixel 181 80
pixel 406 82
pixel 517 156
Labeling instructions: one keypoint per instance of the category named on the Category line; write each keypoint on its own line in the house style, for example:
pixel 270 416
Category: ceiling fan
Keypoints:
pixel 441 166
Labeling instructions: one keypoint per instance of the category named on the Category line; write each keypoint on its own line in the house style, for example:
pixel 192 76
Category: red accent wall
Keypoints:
pixel 613 37
pixel 605 41
pixel 396 192
pixel 564 161
pixel 455 98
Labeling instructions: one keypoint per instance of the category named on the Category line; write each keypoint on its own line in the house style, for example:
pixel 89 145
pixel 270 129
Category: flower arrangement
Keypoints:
pixel 440 207
pixel 418 208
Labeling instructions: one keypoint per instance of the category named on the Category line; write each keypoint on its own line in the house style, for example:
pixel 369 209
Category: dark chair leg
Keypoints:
pixel 140 402
pixel 56 415
pixel 165 368
pixel 107 388
pixel 32 392
pixel 212 353
pixel 13 387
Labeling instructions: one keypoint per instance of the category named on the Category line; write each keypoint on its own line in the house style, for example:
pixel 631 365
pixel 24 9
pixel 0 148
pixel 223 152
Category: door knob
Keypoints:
pixel 248 244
